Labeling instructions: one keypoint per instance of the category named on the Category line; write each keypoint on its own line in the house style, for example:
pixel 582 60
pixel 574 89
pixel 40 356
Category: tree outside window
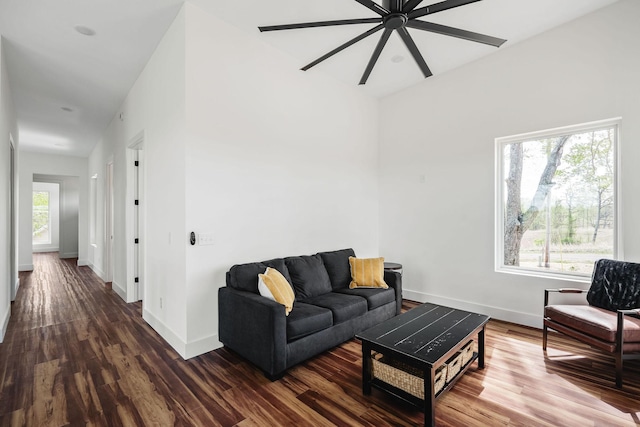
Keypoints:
pixel 557 190
pixel 41 218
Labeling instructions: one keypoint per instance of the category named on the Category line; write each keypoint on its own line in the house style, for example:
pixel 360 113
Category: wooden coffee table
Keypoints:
pixel 423 338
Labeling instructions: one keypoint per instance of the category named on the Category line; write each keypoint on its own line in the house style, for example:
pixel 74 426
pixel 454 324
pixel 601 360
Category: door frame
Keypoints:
pixel 13 220
pixel 136 260
pixel 108 222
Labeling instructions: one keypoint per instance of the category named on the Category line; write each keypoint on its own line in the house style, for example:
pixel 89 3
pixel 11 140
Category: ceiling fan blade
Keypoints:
pixel 375 55
pixel 456 32
pixel 374 6
pixel 320 24
pixel 410 5
pixel 343 46
pixel 408 41
pixel 438 7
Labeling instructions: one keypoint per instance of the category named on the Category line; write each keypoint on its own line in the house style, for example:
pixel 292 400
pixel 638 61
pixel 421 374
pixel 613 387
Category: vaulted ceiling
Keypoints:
pixel 67 86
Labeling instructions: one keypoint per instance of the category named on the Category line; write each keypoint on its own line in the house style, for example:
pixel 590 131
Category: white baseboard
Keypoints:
pixel 44 250
pixel 25 267
pixel 68 255
pixel 122 293
pixel 201 346
pixel 16 287
pixel 165 332
pixel 498 313
pixel 96 270
pixel 186 350
pixel 5 323
pixel 82 262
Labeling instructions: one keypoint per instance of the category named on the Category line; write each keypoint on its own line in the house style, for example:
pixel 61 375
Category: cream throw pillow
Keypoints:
pixel 367 273
pixel 274 286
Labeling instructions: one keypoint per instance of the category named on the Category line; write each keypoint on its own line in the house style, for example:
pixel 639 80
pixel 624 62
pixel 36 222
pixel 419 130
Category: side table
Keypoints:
pixel 393 266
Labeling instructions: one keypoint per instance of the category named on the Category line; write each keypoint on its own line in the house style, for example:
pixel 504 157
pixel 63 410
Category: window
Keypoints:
pixel 557 200
pixel 41 218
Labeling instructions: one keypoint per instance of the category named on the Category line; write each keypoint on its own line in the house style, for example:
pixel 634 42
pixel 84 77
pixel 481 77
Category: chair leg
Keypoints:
pixel 544 337
pixel 619 348
pixel 619 360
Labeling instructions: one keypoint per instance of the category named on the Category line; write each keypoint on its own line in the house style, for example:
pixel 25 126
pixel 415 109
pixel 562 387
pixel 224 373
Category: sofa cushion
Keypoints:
pixel 615 285
pixel 307 319
pixel 367 273
pixel 344 307
pixel 274 286
pixel 337 265
pixel 594 321
pixel 375 297
pixel 244 277
pixel 308 276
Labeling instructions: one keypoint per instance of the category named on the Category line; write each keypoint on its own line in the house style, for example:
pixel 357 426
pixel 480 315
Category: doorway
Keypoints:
pixel 69 206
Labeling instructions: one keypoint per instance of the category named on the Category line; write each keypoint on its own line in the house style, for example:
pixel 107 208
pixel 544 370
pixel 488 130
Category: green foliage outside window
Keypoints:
pixel 40 217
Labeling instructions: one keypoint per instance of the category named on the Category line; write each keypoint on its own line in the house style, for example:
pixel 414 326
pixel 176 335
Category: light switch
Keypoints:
pixel 205 239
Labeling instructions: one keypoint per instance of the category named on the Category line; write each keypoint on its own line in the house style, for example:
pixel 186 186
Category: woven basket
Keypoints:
pixel 405 377
pixel 453 366
pixel 467 353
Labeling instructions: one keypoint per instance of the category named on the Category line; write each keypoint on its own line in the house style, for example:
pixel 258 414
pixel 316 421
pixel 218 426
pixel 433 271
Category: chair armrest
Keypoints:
pixel 562 291
pixel 633 312
pixel 394 280
pixel 253 326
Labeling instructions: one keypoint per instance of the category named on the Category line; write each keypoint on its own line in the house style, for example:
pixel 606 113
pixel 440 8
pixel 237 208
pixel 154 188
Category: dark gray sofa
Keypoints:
pixel 325 313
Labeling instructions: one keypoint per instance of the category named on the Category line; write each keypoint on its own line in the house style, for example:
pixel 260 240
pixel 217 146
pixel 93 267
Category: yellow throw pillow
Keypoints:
pixel 367 273
pixel 274 286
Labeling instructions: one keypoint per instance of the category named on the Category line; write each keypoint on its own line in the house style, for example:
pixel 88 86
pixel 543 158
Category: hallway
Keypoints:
pixel 76 354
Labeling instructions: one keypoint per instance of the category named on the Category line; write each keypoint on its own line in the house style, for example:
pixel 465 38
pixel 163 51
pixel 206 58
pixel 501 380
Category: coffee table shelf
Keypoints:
pixel 416 401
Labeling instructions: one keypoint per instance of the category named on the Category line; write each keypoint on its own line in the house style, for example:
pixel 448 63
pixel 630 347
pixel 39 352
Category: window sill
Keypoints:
pixel 545 275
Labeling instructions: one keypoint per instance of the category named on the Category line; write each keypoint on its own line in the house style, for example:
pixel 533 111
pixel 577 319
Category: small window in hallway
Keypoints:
pixel 41 218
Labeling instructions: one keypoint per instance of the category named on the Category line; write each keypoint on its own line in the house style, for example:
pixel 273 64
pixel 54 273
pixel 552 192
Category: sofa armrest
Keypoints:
pixel 255 327
pixel 394 280
pixel 562 291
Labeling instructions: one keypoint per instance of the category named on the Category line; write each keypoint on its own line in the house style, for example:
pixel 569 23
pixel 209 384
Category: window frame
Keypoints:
pixel 500 176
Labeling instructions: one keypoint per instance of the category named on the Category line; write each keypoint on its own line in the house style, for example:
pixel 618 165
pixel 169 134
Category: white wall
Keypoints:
pixel 442 230
pixel 72 173
pixel 154 107
pixel 97 162
pixel 272 161
pixel 54 216
pixel 279 162
pixel 8 126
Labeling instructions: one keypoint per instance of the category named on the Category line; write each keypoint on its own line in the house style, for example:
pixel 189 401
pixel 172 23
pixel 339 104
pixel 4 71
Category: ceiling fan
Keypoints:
pixel 395 15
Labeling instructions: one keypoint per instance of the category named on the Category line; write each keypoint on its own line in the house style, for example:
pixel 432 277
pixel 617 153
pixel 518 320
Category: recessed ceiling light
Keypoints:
pixel 397 58
pixel 85 31
pixel 67 109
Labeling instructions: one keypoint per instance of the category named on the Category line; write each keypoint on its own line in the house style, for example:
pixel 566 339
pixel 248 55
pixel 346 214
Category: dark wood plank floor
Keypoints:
pixel 76 354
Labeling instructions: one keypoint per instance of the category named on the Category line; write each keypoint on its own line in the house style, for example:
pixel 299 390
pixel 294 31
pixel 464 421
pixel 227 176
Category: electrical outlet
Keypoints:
pixel 205 239
pixel 160 302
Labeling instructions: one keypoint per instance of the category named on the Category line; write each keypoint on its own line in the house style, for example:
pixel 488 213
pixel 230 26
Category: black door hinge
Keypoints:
pixel 136 241
pixel 136 202
pixel 135 280
pixel 136 163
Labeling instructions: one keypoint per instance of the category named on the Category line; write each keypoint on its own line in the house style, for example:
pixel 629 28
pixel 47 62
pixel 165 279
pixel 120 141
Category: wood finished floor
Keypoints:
pixel 75 354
